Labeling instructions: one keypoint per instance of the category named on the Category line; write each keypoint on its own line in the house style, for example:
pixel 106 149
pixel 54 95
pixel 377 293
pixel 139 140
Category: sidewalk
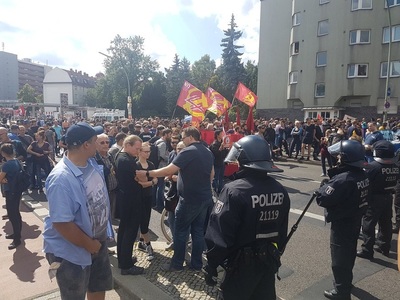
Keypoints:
pixel 24 270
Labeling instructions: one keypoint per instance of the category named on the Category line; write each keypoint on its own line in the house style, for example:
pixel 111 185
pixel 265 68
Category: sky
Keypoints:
pixel 69 34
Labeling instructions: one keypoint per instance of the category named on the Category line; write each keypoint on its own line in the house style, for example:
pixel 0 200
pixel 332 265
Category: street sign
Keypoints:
pixel 387 104
pixel 389 91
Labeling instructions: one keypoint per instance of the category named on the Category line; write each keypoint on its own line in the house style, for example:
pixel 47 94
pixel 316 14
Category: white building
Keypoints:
pixel 65 88
pixel 327 58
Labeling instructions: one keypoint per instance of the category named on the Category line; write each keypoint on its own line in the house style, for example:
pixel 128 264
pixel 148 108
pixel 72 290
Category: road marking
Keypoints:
pixel 307 214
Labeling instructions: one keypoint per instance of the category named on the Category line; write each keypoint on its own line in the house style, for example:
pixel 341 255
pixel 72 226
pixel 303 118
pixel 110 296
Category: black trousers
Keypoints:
pixel 12 205
pixel 130 216
pixel 252 279
pixel 344 235
pixel 397 204
pixel 379 211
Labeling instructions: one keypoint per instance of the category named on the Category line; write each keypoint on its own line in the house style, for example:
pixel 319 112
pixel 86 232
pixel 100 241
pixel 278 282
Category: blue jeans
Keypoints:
pixel 218 182
pixel 160 193
pixel 191 217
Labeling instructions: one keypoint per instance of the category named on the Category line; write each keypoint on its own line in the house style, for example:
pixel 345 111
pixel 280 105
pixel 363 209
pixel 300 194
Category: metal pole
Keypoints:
pixel 387 97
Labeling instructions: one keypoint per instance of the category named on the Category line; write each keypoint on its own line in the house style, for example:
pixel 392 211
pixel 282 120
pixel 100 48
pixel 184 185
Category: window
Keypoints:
pixel 325 115
pixel 395 34
pixel 295 48
pixel 392 3
pixel 357 70
pixel 296 19
pixel 323 27
pixel 394 69
pixel 321 59
pixel 360 37
pixel 293 77
pixel 323 1
pixel 320 89
pixel 361 4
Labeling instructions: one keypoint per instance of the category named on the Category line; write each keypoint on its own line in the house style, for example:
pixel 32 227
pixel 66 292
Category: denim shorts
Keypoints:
pixel 74 281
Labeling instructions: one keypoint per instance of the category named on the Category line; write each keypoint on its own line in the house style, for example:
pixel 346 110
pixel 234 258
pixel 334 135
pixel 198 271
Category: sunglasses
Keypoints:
pixel 104 142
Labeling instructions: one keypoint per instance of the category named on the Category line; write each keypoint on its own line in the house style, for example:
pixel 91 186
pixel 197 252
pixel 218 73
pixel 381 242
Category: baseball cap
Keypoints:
pixel 81 132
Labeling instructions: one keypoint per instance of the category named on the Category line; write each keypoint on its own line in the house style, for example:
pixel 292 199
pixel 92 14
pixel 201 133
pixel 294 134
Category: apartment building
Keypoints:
pixel 328 58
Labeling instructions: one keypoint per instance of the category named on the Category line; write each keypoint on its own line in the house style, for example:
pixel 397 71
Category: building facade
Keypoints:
pixel 328 58
pixel 65 90
pixel 31 73
pixel 8 78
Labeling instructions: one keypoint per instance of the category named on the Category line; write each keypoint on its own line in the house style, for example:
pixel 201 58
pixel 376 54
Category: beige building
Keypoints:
pixel 328 58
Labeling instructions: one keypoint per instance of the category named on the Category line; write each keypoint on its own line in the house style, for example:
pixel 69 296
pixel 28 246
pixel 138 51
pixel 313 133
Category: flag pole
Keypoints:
pixel 173 113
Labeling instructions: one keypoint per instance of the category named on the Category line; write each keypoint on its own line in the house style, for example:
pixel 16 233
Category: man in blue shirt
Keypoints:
pixel 371 138
pixel 77 228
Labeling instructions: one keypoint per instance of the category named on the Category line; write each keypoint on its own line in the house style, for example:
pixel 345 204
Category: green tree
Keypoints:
pixel 202 72
pixel 231 70
pixel 27 94
pixel 251 70
pixel 128 70
pixel 175 77
pixel 153 99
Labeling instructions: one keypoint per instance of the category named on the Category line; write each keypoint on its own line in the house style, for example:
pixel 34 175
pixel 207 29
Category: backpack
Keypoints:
pixel 154 155
pixel 21 182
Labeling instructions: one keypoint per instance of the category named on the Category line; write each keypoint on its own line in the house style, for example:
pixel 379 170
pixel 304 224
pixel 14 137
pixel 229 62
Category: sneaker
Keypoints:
pixel 170 247
pixel 132 271
pixel 150 252
pixel 169 268
pixel 323 175
pixel 141 246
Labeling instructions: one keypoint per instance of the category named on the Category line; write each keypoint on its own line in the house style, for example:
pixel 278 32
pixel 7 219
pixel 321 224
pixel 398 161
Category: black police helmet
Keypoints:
pixel 351 153
pixel 252 152
pixel 384 152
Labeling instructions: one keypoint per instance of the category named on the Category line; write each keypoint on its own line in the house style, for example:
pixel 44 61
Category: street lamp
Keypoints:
pixel 129 100
pixel 387 91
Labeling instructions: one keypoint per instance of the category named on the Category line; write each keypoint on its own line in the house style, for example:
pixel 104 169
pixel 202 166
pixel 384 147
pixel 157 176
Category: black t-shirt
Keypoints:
pixel 126 172
pixel 195 163
pixel 146 192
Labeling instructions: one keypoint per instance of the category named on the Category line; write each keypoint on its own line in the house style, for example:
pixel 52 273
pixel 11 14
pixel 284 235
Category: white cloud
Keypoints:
pixel 74 31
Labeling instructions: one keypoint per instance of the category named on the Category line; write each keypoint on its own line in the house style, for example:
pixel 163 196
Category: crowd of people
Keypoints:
pixel 118 170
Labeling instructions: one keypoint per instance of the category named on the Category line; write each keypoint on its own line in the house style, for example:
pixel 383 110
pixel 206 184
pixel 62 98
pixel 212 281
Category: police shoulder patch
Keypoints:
pixel 329 190
pixel 218 206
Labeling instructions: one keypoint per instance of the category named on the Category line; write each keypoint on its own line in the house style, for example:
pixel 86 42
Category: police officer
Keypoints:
pixel 248 224
pixel 344 197
pixel 383 176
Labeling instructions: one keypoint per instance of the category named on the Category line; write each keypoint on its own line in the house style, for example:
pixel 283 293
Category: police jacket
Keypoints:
pixel 345 194
pixel 383 177
pixel 251 211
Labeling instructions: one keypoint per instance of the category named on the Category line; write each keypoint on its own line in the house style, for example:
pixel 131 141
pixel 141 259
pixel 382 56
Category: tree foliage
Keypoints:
pixel 202 72
pixel 231 70
pixel 27 94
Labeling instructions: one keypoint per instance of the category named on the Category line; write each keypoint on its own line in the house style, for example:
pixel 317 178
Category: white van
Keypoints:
pixel 109 115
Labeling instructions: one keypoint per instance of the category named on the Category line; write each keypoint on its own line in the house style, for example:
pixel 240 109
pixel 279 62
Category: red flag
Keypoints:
pixel 319 117
pixel 196 121
pixel 22 111
pixel 219 103
pixel 250 121
pixel 193 101
pixel 226 125
pixel 245 95
pixel 237 116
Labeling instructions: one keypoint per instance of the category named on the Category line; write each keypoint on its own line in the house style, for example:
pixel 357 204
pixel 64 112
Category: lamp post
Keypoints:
pixel 129 99
pixel 387 91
